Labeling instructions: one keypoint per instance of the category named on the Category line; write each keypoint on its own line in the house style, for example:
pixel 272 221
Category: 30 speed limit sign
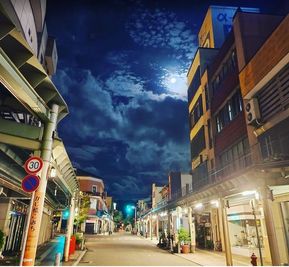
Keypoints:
pixel 33 165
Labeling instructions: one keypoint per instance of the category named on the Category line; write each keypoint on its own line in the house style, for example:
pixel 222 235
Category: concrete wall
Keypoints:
pixel 25 15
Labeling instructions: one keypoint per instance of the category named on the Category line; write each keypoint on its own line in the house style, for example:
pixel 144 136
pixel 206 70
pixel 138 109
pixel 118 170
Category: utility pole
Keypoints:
pixel 39 196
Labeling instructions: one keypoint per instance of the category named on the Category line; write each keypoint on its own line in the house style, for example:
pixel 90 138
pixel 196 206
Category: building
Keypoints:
pixel 264 88
pixel 237 198
pixel 30 109
pixel 99 220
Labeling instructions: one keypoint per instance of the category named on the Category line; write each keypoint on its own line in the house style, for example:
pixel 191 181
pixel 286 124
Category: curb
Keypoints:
pixel 79 257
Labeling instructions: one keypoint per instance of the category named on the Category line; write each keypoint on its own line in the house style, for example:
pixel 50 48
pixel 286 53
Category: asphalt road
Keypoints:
pixel 126 249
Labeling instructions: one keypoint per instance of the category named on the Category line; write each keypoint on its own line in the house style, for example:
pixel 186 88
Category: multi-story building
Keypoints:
pixel 30 109
pixel 265 89
pixel 237 200
pixel 99 219
pixel 228 172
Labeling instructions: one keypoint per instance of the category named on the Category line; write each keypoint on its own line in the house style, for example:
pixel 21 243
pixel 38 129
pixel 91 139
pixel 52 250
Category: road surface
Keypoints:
pixel 126 249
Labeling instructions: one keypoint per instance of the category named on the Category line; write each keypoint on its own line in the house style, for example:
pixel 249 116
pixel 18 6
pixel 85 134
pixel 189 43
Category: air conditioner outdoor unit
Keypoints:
pixel 252 111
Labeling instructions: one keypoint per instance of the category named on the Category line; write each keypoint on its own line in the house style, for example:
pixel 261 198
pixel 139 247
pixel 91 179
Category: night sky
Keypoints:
pixel 122 71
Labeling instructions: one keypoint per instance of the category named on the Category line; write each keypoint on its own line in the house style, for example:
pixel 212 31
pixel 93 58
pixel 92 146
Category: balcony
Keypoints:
pixel 271 152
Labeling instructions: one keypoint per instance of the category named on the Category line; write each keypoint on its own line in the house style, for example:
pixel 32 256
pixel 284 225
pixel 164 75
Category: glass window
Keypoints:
pixel 94 189
pixel 240 149
pixel 235 152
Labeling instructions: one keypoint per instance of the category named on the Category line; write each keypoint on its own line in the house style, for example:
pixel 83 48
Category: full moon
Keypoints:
pixel 173 80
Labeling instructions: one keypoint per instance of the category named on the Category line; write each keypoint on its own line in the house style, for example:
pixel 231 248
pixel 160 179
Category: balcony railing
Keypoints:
pixel 272 151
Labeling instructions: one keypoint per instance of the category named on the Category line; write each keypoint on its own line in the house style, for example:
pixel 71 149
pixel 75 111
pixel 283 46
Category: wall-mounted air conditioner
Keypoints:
pixel 252 111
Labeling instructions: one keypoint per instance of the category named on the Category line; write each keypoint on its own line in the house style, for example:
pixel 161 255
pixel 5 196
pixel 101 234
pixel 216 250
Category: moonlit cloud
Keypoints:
pixel 162 29
pixel 128 120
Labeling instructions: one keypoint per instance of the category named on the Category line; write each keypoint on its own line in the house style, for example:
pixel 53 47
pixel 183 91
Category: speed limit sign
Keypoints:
pixel 33 165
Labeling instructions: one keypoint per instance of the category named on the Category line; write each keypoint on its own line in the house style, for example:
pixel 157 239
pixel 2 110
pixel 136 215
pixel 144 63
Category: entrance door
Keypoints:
pixel 89 228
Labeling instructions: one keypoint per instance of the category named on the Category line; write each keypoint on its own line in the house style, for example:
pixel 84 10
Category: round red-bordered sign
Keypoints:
pixel 33 165
pixel 30 183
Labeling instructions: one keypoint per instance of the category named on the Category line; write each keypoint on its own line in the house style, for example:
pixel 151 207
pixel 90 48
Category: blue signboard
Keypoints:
pixel 30 183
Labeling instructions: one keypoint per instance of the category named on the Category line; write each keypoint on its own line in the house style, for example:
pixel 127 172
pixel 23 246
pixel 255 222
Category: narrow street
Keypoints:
pixel 126 249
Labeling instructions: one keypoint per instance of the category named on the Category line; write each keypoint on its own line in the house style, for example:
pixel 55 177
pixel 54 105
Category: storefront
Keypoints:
pixel 246 223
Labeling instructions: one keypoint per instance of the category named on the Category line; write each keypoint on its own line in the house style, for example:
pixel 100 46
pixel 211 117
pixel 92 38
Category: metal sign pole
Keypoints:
pixel 38 201
pixel 26 229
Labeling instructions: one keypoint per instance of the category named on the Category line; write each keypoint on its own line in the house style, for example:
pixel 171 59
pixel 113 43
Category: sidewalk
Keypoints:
pixel 46 254
pixel 204 257
pixel 212 258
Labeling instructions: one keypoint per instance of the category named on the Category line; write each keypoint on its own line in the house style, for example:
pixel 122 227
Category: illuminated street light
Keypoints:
pixel 215 203
pixel 248 193
pixel 198 206
pixel 53 173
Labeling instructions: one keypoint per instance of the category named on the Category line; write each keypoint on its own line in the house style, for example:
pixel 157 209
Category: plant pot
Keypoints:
pixel 185 249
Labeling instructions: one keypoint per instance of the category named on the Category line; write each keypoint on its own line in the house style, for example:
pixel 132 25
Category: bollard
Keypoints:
pixel 254 260
pixel 57 259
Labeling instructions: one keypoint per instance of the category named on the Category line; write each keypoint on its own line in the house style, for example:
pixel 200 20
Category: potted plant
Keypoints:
pixel 79 239
pixel 184 239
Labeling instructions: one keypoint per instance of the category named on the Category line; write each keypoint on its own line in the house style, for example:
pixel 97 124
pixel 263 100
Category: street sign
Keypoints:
pixel 33 165
pixel 30 183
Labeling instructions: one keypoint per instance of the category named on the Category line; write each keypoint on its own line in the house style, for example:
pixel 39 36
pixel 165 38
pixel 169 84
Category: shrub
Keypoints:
pixel 184 236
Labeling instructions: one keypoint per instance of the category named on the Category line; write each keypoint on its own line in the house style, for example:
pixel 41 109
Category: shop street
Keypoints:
pixel 126 249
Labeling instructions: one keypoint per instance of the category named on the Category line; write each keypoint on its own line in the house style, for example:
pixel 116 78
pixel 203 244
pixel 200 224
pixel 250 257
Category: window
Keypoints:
pixel 198 143
pixel 94 189
pixel 196 112
pixel 234 156
pixel 210 134
pixel 194 85
pixel 228 113
pixel 207 97
pixel 228 66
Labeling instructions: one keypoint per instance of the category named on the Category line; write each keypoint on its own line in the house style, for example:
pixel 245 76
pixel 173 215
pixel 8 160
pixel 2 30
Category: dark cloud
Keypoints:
pixel 122 70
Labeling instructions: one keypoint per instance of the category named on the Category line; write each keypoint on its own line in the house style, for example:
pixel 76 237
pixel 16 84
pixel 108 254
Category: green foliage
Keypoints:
pixel 78 237
pixel 117 216
pixel 184 235
pixel 128 220
pixel 83 210
pixel 209 244
pixel 1 239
